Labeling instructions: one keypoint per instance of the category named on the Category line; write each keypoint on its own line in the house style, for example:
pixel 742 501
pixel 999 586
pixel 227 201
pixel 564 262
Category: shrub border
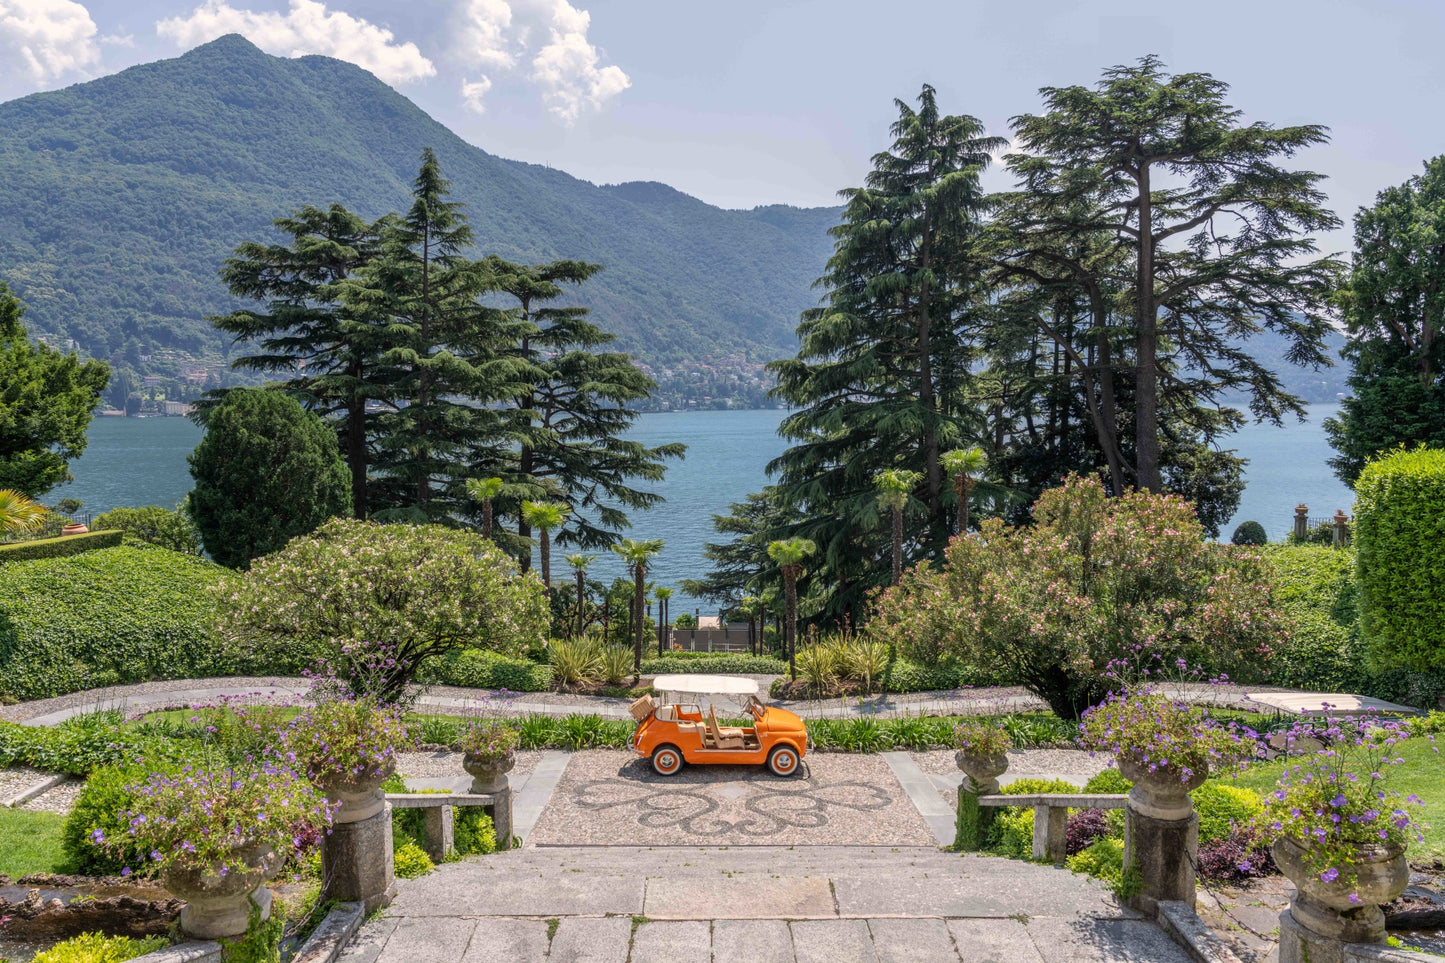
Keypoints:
pixel 61 546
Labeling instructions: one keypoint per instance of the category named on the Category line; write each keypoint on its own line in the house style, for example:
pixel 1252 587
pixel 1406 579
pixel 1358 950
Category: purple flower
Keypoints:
pixel 1330 875
pixel 125 871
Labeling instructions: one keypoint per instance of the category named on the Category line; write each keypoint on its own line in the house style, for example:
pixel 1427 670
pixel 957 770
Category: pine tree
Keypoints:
pixel 305 332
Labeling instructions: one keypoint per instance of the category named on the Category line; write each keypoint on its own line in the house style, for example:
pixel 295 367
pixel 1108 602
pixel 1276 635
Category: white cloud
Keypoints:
pixel 42 40
pixel 306 28
pixel 547 38
pixel 473 92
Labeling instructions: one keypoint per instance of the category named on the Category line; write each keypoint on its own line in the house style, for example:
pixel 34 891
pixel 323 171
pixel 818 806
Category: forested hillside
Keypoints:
pixel 123 195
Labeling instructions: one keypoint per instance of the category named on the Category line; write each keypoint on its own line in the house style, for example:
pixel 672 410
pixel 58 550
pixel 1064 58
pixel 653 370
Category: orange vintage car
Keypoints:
pixel 678 731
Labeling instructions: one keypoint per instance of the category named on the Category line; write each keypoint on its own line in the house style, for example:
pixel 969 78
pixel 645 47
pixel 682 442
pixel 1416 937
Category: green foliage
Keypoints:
pixel 416 591
pixel 1095 579
pixel 972 824
pixel 30 842
pixel 713 663
pixel 473 831
pixel 1014 826
pixel 1399 527
pixel 59 547
pixel 1110 780
pixel 98 807
pixel 1101 859
pixel 99 948
pixel 266 471
pixel 81 743
pixel 1314 587
pixel 1321 534
pixel 163 527
pixel 412 861
pixel 1249 533
pixel 480 669
pixel 1221 807
pixel 576 662
pixel 120 615
pixel 46 399
pixel 261 943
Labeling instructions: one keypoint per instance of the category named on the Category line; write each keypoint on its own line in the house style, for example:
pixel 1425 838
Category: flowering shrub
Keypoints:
pixel 1336 802
pixel 1050 606
pixel 345 740
pixel 1157 733
pixel 981 737
pixel 489 739
pixel 209 820
pixel 411 591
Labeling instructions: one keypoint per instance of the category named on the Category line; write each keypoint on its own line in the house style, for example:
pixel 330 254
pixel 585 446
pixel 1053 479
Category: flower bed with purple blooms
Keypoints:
pixel 1158 733
pixel 981 737
pixel 489 739
pixel 351 738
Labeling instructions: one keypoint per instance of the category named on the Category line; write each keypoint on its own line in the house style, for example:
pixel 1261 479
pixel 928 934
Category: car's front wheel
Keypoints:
pixel 783 761
pixel 667 760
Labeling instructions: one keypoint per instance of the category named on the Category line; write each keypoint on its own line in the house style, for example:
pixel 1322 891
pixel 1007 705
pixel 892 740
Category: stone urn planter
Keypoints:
pixel 981 772
pixel 1161 832
pixel 220 905
pixel 360 797
pixel 488 772
pixel 1321 916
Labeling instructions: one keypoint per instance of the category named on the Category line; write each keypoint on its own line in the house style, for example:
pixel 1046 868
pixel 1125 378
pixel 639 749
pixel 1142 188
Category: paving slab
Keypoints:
pixel 833 941
pixel 993 941
pixel 1019 887
pixel 786 897
pixel 428 941
pixel 592 940
pixel 503 940
pixel 924 796
pixel 912 941
pixel 446 892
pixel 369 941
pixel 531 797
pixel 1084 940
pixel 684 941
pixel 751 941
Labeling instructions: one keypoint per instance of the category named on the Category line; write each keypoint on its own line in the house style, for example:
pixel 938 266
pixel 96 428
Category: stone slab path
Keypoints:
pixel 755 905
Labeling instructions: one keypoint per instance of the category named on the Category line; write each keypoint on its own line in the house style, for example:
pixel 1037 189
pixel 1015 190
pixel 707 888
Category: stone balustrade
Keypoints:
pixel 440 836
pixel 1051 815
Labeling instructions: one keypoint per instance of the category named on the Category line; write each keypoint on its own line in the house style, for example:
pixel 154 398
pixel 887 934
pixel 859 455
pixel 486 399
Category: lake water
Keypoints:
pixel 142 461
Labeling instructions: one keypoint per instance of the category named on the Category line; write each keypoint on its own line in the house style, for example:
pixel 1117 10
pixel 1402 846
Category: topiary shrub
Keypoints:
pixel 480 669
pixel 1399 528
pixel 169 528
pixel 715 663
pixel 1110 780
pixel 99 948
pixel 1249 533
pixel 108 617
pixel 1314 587
pixel 1222 808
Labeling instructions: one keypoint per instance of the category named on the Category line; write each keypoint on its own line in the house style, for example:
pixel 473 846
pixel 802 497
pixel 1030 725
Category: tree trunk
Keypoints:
pixel 963 502
pixel 546 547
pixel 928 402
pixel 790 597
pixel 581 588
pixel 524 531
pixel 486 518
pixel 638 587
pixel 897 545
pixel 1146 401
pixel 423 393
pixel 356 445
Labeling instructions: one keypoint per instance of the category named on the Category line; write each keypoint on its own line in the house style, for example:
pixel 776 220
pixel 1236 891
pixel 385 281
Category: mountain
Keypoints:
pixel 123 196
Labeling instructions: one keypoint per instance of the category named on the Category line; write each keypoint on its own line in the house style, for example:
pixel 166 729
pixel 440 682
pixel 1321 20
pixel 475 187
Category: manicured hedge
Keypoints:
pixel 1399 534
pixel 481 669
pixel 109 617
pixel 713 663
pixel 59 547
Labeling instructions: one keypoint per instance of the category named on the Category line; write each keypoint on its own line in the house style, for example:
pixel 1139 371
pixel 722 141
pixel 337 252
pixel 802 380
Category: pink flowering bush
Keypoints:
pixel 1336 800
pixel 1094 580
pixel 219 821
pixel 1157 733
pixel 345 740
pixel 383 598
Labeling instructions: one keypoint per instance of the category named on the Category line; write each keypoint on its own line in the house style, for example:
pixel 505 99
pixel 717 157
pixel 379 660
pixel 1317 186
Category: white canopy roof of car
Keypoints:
pixel 695 685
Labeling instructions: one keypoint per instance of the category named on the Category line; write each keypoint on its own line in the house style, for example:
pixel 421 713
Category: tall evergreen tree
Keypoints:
pixel 325 353
pixel 1394 308
pixel 1218 236
pixel 568 419
pixel 879 381
pixel 46 400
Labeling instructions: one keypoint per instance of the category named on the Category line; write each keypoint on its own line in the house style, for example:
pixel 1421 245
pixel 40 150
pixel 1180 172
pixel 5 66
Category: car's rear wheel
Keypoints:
pixel 667 760
pixel 783 761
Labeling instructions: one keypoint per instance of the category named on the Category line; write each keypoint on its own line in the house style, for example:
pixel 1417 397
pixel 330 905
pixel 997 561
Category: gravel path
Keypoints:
pixel 608 797
pixel 110 697
pixel 16 779
pixel 61 799
pixel 939 766
pixel 440 765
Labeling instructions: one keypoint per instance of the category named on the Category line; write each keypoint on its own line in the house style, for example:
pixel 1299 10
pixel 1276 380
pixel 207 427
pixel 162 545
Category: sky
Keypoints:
pixel 767 101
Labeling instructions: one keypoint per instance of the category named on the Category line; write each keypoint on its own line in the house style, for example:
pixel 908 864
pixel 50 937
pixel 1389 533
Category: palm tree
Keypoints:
pixel 18 514
pixel 895 487
pixel 579 565
pixel 964 466
pixel 663 622
pixel 637 555
pixel 484 490
pixel 545 516
pixel 789 554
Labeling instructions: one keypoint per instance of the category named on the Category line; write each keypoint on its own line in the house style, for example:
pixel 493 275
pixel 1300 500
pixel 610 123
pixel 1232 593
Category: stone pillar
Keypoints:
pixel 440 832
pixel 1310 932
pixel 1301 522
pixel 356 860
pixel 980 778
pixel 1161 835
pixel 1342 528
pixel 1051 833
pixel 502 818
pixel 1323 918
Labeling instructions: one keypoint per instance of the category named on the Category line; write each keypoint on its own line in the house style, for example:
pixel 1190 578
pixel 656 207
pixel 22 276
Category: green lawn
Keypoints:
pixel 1422 773
pixel 30 842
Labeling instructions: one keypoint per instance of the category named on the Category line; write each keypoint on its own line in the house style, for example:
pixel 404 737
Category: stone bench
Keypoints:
pixel 1051 815
pixel 440 835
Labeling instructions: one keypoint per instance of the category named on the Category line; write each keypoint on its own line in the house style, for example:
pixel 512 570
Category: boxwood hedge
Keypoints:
pixel 1399 528
pixel 59 547
pixel 481 669
pixel 109 617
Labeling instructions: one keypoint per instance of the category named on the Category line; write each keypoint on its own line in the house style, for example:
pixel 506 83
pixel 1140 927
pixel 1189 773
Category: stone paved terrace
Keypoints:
pixel 829 904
